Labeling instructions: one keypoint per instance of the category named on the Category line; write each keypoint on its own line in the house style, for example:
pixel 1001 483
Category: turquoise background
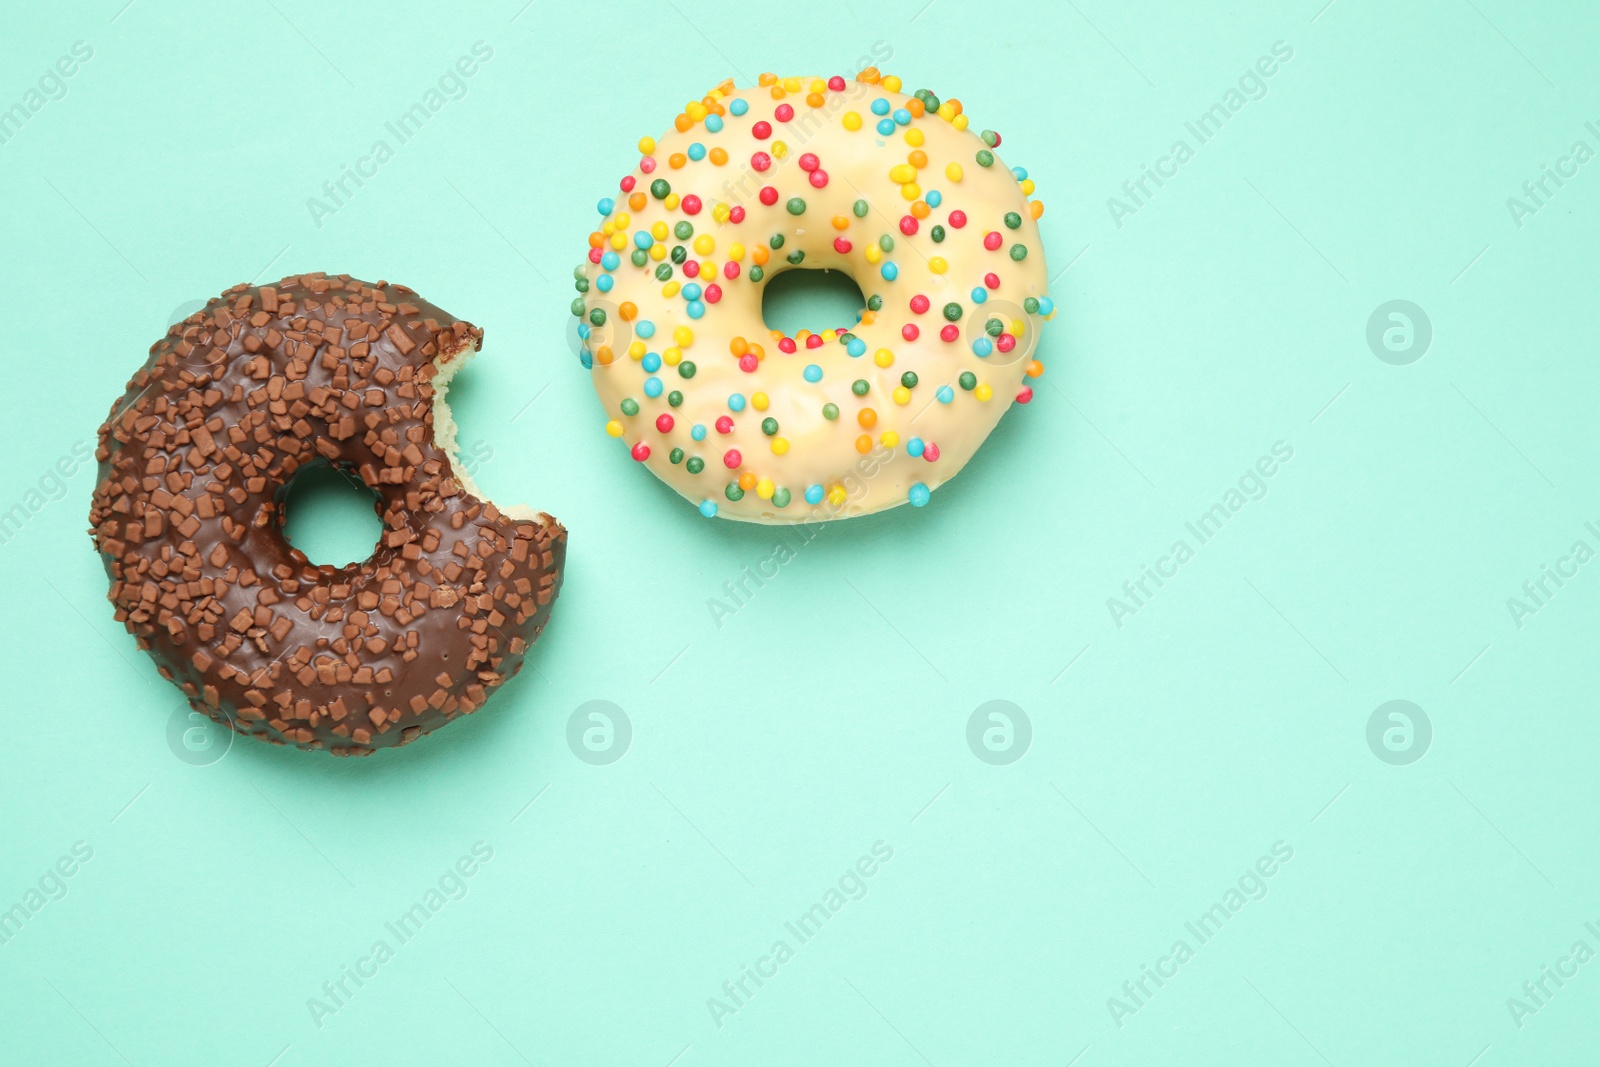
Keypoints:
pixel 1167 755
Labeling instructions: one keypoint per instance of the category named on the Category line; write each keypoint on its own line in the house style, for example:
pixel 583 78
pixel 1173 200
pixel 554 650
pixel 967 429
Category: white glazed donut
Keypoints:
pixel 813 173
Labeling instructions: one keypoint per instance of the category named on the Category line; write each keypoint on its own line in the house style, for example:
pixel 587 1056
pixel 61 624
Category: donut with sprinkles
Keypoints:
pixel 753 424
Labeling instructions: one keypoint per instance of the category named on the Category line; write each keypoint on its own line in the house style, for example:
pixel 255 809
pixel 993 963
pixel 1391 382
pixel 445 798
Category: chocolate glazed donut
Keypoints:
pixel 196 461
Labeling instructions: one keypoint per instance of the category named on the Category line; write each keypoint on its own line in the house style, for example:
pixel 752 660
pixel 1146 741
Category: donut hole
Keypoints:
pixel 814 300
pixel 331 516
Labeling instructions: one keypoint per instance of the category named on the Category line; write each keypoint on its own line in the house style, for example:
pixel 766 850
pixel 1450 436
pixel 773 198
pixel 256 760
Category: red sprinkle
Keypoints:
pixel 641 451
pixel 761 130
pixel 595 255
pixel 691 204
pixel 992 280
pixel 783 112
pixel 1005 342
pixel 737 214
pixel 958 219
pixel 1026 394
pixel 748 363
pixel 836 83
pixel 919 303
pixel 930 452
pixel 992 240
pixel 769 196
pixel 691 269
pixel 627 184
pixel 809 162
pixel 949 333
pixel 725 425
pixel 713 291
pixel 731 459
pixel 819 177
pixel 840 245
pixel 761 161
pixel 814 341
pixel 908 224
pixel 647 164
pixel 664 422
pixel 909 331
pixel 730 271
pixel 787 346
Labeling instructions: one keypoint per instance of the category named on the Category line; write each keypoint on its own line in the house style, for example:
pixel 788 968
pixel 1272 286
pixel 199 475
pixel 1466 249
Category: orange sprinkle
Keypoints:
pixel 840 222
pixel 758 352
pixel 738 346
pixel 677 161
pixel 636 201
pixel 628 311
pixel 682 123
pixel 920 209
pixel 867 418
pixel 864 443
pixel 1035 368
pixel 815 99
pixel 1036 208
pixel 767 79
pixel 914 105
pixel 870 76
pixel 759 255
pixel 596 239
pixel 719 156
pixel 747 481
pixel 918 157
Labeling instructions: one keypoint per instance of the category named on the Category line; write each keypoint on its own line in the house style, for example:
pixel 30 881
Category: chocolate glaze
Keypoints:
pixel 195 462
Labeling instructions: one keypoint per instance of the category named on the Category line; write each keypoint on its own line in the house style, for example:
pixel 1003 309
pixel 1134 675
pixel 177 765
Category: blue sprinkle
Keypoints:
pixel 609 261
pixel 698 432
pixel 714 123
pixel 697 151
pixel 708 508
pixel 692 291
pixel 651 362
pixel 886 126
pixel 813 372
pixel 1046 305
pixel 736 402
pixel 934 198
pixel 606 205
pixel 652 386
pixel 914 447
pixel 645 329
pixel 982 347
pixel 880 106
pixel 945 394
pixel 1019 173
pixel 586 359
pixel 919 494
pixel 695 309
pixel 902 117
pixel 643 239
pixel 739 107
pixel 813 494
pixel 583 330
pixel 890 272
pixel 980 295
pixel 604 283
pixel 857 348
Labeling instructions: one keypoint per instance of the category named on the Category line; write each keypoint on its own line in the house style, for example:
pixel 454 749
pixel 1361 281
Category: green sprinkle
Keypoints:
pixel 776 240
pixel 580 272
pixel 686 369
pixel 663 272
pixel 985 158
pixel 1031 305
pixel 874 302
pixel 683 230
pixel 756 274
pixel 830 411
pixel 968 380
pixel 582 285
pixel 679 254
pixel 675 456
pixel 796 206
pixel 630 407
pixel 937 233
pixel 909 379
pixel 994 327
pixel 597 317
pixel 769 426
pixel 660 188
pixel 886 243
pixel 695 465
pixel 640 257
pixel 733 492
pixel 674 398
pixel 578 306
pixel 780 498
pixel 860 387
pixel 952 312
pixel 797 257
pixel 860 207
pixel 1019 252
pixel 1013 220
pixel 990 138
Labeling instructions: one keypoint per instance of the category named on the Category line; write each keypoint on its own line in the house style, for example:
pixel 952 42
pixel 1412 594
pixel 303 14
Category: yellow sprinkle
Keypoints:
pixel 671 289
pixel 1027 187
pixel 830 336
pixel 764 488
pixel 758 401
pixel 792 84
pixel 873 253
pixel 914 137
pixel 736 252
pixel 959 122
pixel 659 231
pixel 946 112
pixel 780 445
pixel 911 191
pixel 636 350
pixel 888 439
pixel 902 395
pixel 836 495
pixel 883 357
pixel 903 173
pixel 614 428
pixel 647 145
pixel 671 202
pixel 658 251
pixel 779 149
pixel 705 244
pixel 672 357
pixel 708 269
pixel 608 228
pixel 953 172
pixel 721 212
pixel 817 86
pixel 938 265
pixel 891 83
pixel 852 121
pixel 696 111
pixel 684 336
pixel 983 392
pixel 619 241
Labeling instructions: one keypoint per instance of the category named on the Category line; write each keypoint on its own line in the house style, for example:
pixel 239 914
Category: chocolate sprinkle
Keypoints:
pixel 195 465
